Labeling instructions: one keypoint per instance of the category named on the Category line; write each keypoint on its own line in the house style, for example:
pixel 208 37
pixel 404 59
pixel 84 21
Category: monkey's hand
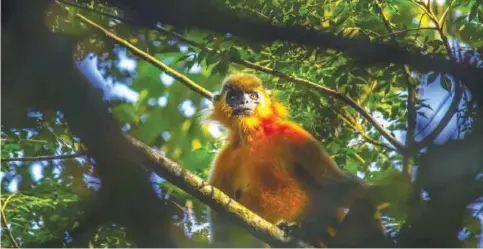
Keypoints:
pixel 290 228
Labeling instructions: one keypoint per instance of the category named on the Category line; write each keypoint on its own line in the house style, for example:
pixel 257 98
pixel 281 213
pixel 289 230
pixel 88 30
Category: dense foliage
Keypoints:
pixel 41 197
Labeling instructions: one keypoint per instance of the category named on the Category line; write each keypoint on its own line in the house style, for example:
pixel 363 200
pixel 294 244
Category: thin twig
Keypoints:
pixel 43 158
pixel 439 28
pixel 408 30
pixel 251 65
pixel 182 78
pixel 4 220
pixel 411 105
pixel 364 135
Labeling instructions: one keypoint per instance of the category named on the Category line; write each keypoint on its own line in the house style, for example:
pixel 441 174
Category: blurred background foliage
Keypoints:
pixel 41 197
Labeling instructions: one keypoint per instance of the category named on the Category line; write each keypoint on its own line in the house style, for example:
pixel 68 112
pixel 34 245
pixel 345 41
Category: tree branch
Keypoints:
pixel 211 196
pixel 183 79
pixel 357 127
pixel 4 221
pixel 459 89
pixel 119 159
pixel 206 15
pixel 44 158
pixel 411 105
pixel 411 116
pixel 325 90
pixel 247 64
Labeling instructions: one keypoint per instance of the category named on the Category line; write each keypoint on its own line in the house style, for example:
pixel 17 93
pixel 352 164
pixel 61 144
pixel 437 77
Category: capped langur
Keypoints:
pixel 276 169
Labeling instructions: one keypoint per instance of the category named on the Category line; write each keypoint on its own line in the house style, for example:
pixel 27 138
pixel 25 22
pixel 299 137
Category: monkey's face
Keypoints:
pixel 243 102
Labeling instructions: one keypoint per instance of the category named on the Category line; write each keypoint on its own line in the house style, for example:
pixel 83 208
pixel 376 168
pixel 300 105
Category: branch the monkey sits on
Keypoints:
pixel 276 169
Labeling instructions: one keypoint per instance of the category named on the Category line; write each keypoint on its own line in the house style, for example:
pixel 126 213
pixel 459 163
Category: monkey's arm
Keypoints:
pixel 314 166
pixel 334 189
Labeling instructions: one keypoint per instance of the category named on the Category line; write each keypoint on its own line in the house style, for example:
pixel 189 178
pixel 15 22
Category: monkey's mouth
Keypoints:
pixel 243 111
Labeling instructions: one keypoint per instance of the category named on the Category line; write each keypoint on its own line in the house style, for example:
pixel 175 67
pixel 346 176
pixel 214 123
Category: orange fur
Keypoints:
pixel 259 165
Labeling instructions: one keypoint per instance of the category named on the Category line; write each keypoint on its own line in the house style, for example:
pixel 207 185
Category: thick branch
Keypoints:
pixel 213 197
pixel 206 15
pixel 43 158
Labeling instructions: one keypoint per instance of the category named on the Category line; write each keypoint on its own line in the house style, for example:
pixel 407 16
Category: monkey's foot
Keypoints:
pixel 290 228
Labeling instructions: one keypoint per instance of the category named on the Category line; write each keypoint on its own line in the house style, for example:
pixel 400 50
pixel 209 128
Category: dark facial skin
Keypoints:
pixel 242 102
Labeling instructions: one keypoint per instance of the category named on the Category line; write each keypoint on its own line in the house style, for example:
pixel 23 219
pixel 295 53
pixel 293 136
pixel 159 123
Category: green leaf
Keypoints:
pixel 474 10
pixel 432 77
pixel 233 54
pixel 66 139
pixel 142 98
pixel 445 83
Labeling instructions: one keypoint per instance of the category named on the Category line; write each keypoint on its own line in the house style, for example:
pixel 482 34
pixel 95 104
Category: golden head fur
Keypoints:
pixel 223 113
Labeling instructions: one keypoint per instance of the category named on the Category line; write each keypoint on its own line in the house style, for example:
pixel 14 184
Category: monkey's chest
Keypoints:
pixel 268 188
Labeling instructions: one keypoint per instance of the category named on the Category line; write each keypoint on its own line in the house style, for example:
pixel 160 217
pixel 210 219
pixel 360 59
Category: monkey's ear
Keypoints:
pixel 269 92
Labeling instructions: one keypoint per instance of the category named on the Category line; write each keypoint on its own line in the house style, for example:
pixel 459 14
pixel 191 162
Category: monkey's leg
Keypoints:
pixel 362 227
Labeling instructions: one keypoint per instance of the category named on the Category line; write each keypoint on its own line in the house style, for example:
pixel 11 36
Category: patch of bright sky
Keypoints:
pixel 374 167
pixel 125 91
pixel 165 135
pixel 155 181
pixel 204 103
pixel 187 108
pixel 125 62
pixel 183 48
pixel 166 79
pixel 163 100
pixel 215 130
pixel 439 2
pixel 56 171
pixel 456 13
pixel 36 171
pixel 151 102
pixel 156 43
pixel 111 89
pixel 126 127
pixel 34 114
pixel 171 42
pixel 13 185
pixel 91 181
pixel 196 68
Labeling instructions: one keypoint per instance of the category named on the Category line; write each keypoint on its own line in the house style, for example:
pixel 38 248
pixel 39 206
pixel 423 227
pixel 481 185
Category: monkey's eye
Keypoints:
pixel 231 95
pixel 253 95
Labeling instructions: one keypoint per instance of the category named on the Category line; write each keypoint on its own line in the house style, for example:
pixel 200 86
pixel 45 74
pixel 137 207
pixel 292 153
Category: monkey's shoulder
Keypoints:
pixel 286 130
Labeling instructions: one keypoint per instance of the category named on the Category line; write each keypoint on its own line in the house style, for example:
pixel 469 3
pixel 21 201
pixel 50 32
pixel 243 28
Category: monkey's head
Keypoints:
pixel 244 101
